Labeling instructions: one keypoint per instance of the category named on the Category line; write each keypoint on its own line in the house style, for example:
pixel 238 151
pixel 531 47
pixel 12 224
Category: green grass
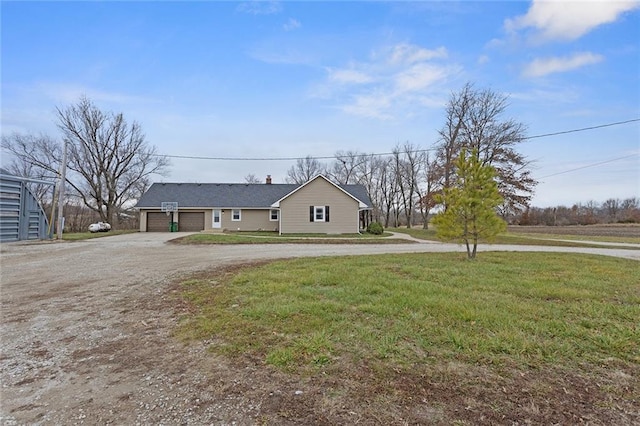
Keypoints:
pixel 527 238
pixel 598 238
pixel 265 237
pixel 393 312
pixel 77 236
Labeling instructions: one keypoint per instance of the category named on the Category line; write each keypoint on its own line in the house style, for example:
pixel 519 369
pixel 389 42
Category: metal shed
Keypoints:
pixel 21 216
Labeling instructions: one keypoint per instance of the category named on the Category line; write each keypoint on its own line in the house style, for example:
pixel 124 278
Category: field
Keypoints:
pixel 513 338
pixel 620 232
pixel 567 236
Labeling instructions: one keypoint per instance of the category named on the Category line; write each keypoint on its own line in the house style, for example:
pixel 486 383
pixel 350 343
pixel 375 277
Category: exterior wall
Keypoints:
pixel 21 217
pixel 294 210
pixel 250 220
pixel 143 220
pixel 208 219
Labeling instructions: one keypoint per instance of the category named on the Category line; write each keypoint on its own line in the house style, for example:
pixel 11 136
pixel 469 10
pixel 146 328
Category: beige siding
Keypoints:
pixel 208 219
pixel 343 209
pixel 143 221
pixel 250 220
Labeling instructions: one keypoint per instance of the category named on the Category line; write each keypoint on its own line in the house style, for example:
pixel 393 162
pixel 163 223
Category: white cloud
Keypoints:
pixel 544 66
pixel 260 7
pixel 395 80
pixel 407 54
pixel 568 20
pixel 372 105
pixel 288 56
pixel 349 76
pixel 419 77
pixel 495 43
pixel 483 59
pixel 292 24
pixel 71 93
pixel 562 94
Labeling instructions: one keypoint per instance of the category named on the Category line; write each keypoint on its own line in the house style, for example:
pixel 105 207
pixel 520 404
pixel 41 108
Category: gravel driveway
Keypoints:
pixel 86 333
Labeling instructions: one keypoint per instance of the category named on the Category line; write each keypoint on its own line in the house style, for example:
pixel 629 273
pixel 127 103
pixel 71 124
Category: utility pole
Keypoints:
pixel 63 178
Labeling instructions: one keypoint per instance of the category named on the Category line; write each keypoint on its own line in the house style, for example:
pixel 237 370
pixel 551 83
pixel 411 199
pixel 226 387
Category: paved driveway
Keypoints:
pixel 86 331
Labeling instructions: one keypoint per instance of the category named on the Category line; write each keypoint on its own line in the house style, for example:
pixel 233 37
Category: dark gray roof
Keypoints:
pixel 359 192
pixel 239 195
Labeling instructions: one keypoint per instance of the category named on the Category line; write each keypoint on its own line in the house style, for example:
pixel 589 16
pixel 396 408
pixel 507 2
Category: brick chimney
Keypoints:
pixel 268 179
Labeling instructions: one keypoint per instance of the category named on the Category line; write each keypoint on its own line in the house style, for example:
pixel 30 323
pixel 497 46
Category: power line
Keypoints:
pixel 381 154
pixel 583 129
pixel 590 165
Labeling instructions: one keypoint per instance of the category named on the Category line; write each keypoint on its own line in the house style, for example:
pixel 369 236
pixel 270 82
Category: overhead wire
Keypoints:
pixel 381 154
pixel 590 165
pixel 564 132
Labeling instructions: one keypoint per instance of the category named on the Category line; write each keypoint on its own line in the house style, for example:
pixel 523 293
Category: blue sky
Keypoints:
pixel 290 79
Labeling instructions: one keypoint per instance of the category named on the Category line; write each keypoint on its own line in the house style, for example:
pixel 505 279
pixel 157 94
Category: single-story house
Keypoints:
pixel 317 206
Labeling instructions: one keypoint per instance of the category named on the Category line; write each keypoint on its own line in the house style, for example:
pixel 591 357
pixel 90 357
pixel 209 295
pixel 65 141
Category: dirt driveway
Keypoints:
pixel 85 335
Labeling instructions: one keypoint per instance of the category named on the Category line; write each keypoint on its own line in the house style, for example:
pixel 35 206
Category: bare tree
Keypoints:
pixel 429 189
pixel 451 139
pixel 366 174
pixel 345 167
pixel 304 170
pixel 591 212
pixel 474 120
pixel 630 209
pixel 408 162
pixel 47 170
pixel 384 194
pixel 109 162
pixel 611 209
pixel 251 178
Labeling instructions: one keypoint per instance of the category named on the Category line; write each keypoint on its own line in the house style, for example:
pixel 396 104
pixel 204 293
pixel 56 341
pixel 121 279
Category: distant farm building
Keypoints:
pixel 21 215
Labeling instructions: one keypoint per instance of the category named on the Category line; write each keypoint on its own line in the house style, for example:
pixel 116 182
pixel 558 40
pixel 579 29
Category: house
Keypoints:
pixel 21 215
pixel 317 206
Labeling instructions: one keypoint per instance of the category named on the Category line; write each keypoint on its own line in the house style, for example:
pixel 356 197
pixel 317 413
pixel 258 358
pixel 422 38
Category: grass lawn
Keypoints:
pixel 529 238
pixel 511 337
pixel 598 238
pixel 77 236
pixel 265 237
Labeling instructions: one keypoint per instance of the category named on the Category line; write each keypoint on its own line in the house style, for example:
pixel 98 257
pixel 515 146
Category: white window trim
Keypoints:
pixel 233 219
pixel 315 214
pixel 271 219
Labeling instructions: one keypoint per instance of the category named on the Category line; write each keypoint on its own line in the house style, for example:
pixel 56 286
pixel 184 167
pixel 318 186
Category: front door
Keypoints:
pixel 217 221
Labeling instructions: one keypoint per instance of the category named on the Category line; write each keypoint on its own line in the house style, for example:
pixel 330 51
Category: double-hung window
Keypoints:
pixel 318 213
pixel 274 215
pixel 236 215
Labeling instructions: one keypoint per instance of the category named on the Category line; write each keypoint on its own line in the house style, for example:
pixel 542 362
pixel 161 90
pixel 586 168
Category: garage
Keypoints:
pixel 191 221
pixel 157 222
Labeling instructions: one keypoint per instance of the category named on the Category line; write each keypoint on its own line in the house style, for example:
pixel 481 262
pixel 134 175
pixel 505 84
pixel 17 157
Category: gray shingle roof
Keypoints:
pixel 238 195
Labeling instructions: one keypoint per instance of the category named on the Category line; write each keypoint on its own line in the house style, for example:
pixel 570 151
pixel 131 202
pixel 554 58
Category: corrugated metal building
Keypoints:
pixel 21 216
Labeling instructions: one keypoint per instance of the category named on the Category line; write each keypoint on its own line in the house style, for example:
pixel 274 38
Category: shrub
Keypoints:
pixel 375 228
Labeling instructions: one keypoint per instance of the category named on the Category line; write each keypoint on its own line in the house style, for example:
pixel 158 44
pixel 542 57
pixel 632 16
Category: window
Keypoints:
pixel 236 215
pixel 274 215
pixel 318 213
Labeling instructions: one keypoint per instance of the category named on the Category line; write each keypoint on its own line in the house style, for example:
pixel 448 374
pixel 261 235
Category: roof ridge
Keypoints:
pixel 222 183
